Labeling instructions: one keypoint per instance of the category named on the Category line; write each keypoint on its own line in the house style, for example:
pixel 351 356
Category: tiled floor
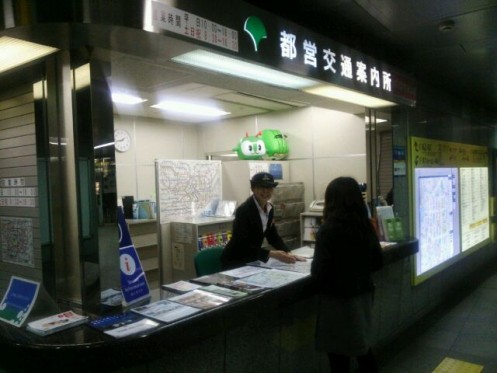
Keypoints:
pixel 465 331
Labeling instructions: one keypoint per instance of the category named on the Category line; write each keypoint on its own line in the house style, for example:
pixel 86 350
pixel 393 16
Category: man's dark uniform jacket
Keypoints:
pixel 246 241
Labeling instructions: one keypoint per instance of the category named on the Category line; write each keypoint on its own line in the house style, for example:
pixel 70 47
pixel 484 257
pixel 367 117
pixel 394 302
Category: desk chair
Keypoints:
pixel 208 261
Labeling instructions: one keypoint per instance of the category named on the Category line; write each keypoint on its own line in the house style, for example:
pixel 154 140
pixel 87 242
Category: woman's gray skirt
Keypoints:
pixel 344 325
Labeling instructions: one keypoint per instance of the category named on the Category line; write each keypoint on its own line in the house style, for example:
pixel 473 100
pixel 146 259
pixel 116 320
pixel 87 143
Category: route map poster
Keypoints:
pixel 186 187
pixel 437 217
pixel 475 219
pixel 451 202
pixel 16 235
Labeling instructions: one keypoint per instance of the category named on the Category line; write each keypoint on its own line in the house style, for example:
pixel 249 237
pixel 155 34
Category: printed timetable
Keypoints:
pixel 475 219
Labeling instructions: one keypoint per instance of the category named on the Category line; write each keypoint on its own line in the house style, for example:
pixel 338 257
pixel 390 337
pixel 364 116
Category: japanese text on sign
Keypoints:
pixel 178 21
pixel 334 63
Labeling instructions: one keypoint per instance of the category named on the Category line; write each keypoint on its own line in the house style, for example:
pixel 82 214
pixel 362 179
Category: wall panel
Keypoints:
pixel 20 248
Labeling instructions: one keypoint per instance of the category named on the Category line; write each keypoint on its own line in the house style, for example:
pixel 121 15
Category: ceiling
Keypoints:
pixel 168 81
pixel 161 80
pixel 414 35
pixel 448 44
pixel 403 33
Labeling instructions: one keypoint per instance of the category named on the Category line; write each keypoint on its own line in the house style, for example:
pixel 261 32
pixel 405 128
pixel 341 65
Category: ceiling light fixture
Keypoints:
pixel 342 94
pixel 40 90
pixel 124 98
pixel 103 145
pixel 17 52
pixel 192 109
pixel 378 120
pixel 82 76
pixel 231 66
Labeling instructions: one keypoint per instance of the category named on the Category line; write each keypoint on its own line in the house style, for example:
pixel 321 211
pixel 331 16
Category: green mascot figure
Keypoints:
pixel 266 144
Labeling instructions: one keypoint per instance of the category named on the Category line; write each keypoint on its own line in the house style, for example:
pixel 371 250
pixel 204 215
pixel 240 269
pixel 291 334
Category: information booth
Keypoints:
pixel 93 120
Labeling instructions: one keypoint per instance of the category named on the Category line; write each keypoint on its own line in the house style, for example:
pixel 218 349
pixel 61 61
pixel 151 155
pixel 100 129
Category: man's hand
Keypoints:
pixel 285 257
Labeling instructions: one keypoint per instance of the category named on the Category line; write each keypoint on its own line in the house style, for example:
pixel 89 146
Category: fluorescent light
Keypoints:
pixel 16 52
pixel 192 109
pixel 103 145
pixel 378 120
pixel 40 89
pixel 342 94
pixel 123 98
pixel 226 65
pixel 231 66
pixel 57 141
pixel 82 76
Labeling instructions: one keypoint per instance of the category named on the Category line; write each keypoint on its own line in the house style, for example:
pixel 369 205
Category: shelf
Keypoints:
pixel 185 235
pixel 309 224
pixel 149 264
pixel 145 239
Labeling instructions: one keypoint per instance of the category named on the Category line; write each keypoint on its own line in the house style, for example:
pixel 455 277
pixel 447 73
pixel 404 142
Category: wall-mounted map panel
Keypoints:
pixel 186 187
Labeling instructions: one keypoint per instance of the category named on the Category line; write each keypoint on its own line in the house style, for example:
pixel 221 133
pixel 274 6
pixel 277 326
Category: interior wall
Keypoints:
pixel 20 209
pixel 323 144
pixel 385 163
pixel 150 139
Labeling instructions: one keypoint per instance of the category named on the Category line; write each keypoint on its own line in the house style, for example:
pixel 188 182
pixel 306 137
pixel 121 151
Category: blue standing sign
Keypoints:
pixel 134 284
pixel 18 300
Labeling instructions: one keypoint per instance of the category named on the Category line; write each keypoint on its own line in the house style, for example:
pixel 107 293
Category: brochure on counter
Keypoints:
pixel 181 286
pixel 55 323
pixel 123 325
pixel 302 267
pixel 224 291
pixel 305 252
pixel 200 299
pixel 244 271
pixel 214 279
pixel 224 280
pixel 166 311
pixel 245 287
pixel 272 278
pixel 111 297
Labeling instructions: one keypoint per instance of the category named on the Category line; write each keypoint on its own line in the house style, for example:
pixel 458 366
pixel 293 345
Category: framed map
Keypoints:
pixel 451 202
pixel 186 187
pixel 16 235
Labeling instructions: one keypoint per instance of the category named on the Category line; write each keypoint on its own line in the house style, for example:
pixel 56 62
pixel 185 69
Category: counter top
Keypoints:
pixel 83 348
pixel 400 250
pixel 203 220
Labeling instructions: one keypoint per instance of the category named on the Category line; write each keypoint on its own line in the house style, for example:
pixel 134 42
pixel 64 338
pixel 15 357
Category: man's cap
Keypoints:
pixel 263 179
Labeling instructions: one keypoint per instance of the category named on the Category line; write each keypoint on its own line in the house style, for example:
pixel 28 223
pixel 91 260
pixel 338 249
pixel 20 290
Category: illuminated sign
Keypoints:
pixel 334 62
pixel 252 34
pixel 451 202
pixel 255 28
pixel 292 48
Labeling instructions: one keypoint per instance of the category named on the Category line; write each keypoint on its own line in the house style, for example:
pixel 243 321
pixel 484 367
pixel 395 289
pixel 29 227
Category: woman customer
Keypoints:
pixel 347 252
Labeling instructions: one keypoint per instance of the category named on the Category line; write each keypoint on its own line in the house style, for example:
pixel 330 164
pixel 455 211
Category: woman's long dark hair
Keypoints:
pixel 343 202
